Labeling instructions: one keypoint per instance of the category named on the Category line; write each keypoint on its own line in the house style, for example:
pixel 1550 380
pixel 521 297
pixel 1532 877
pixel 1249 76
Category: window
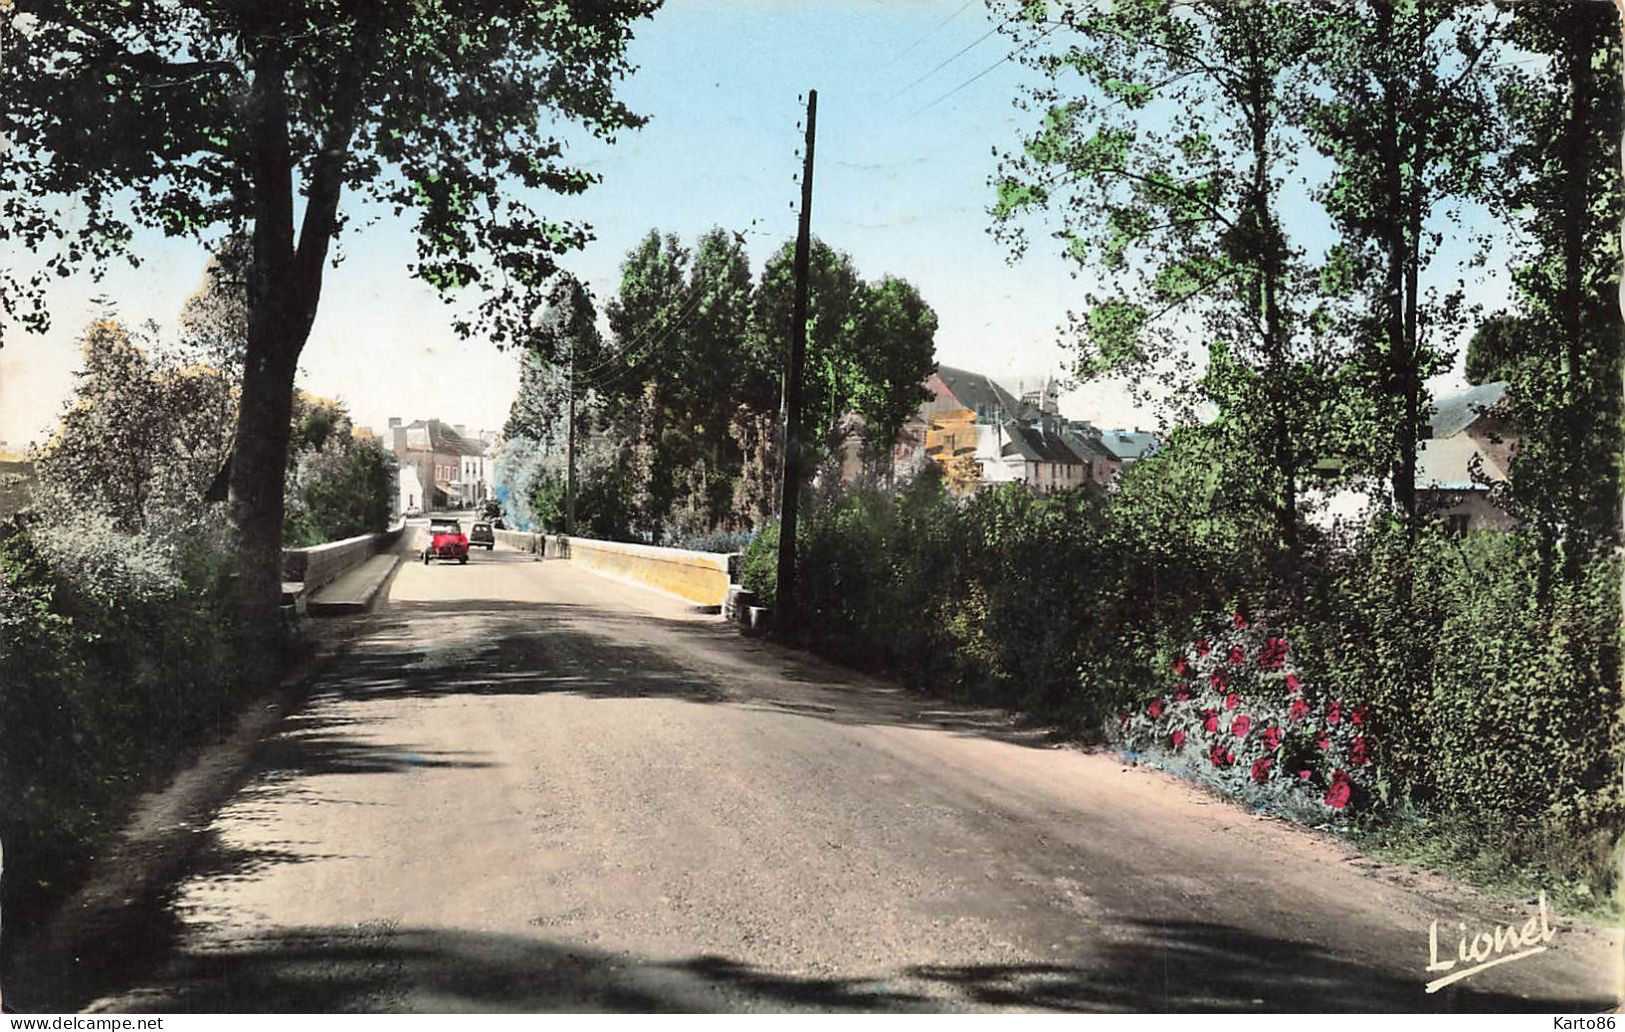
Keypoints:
pixel 1456 524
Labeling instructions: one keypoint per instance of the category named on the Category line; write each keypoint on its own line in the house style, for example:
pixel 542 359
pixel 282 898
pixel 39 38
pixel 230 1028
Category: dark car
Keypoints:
pixel 446 541
pixel 480 534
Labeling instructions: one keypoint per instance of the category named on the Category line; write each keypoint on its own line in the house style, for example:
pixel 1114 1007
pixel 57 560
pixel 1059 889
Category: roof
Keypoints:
pixel 433 435
pixel 1446 463
pixel 981 395
pixel 1034 445
pixel 1457 412
pixel 1128 445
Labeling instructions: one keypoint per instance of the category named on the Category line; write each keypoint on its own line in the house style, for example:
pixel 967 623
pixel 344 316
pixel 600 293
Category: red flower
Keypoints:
pixel 1240 622
pixel 1304 775
pixel 1272 737
pixel 1292 684
pixel 1182 693
pixel 1201 646
pixel 1322 742
pixel 1273 654
pixel 1178 738
pixel 1299 710
pixel 1155 709
pixel 1337 796
pixel 1210 720
pixel 1359 715
pixel 1240 725
pixel 1334 713
pixel 1261 769
pixel 1358 754
pixel 1219 756
pixel 1179 666
pixel 1122 717
pixel 1237 655
pixel 1232 700
pixel 1217 680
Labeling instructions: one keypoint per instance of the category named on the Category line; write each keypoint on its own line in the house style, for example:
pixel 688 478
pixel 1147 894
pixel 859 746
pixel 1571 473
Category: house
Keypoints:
pixel 1128 446
pixel 449 465
pixel 1466 453
pixel 408 490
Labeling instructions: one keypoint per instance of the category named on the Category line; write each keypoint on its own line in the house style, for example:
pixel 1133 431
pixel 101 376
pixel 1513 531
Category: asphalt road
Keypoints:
pixel 524 787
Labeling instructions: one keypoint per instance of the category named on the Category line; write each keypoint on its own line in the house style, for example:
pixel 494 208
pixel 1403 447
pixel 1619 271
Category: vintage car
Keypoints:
pixel 480 534
pixel 446 541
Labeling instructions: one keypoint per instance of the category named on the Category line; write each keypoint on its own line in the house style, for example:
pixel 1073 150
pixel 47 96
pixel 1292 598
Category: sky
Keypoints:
pixel 914 98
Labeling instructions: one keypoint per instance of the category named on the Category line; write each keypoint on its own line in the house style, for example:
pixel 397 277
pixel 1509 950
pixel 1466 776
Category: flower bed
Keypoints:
pixel 1236 714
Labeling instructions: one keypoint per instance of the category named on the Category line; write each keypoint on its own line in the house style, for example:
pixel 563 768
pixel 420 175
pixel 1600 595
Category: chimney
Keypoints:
pixel 462 429
pixel 394 421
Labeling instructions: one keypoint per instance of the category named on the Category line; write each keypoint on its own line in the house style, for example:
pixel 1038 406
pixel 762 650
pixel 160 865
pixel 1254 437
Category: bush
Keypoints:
pixel 113 660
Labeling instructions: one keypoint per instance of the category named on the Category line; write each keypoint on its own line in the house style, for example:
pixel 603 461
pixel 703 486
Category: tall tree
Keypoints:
pixel 1403 113
pixel 896 339
pixel 192 116
pixel 834 300
pixel 1160 160
pixel 1562 190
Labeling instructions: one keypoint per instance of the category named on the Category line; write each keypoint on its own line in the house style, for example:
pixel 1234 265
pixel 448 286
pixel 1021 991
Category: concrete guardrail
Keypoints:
pixel 319 565
pixel 699 578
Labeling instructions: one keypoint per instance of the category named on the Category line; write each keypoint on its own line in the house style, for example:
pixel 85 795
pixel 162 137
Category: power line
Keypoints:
pixel 1025 46
pixel 944 63
pixel 932 31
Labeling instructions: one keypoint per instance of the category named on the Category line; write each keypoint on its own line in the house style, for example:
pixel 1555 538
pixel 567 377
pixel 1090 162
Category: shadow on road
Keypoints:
pixel 1186 966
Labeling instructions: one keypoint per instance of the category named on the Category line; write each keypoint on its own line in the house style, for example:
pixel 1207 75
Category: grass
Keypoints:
pixel 1468 852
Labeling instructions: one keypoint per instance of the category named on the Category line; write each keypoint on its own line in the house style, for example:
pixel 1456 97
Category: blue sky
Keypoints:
pixel 901 184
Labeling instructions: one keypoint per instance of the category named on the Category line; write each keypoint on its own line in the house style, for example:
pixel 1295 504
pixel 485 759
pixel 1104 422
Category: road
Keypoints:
pixel 523 787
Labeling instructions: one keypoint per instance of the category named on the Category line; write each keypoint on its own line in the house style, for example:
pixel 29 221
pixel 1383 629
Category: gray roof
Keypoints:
pixel 1033 443
pixel 981 395
pixel 1128 445
pixel 1456 413
pixel 441 439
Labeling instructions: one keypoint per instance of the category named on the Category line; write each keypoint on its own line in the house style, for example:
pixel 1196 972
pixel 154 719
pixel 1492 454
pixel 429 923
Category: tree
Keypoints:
pixel 248 117
pixel 1499 345
pixel 144 434
pixel 1403 113
pixel 1559 185
pixel 1164 170
pixel 896 344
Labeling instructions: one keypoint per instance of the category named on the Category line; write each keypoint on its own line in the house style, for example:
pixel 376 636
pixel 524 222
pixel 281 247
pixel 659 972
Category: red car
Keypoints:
pixel 446 541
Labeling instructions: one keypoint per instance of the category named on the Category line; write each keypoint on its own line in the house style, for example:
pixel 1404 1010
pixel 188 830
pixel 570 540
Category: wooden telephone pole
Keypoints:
pixel 790 482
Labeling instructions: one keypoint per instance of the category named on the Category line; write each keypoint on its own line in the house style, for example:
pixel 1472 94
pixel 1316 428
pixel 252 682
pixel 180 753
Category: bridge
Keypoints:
pixel 521 785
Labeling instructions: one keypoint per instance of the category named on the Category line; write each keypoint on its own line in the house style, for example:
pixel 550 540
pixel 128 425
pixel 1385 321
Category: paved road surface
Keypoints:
pixel 525 787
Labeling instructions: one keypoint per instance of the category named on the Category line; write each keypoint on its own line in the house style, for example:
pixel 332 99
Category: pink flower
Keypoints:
pixel 1334 713
pixel 1273 654
pixel 1210 720
pixel 1359 715
pixel 1261 769
pixel 1240 622
pixel 1122 717
pixel 1299 710
pixel 1358 755
pixel 1240 726
pixel 1232 700
pixel 1292 684
pixel 1178 738
pixel 1217 680
pixel 1272 737
pixel 1202 646
pixel 1237 655
pixel 1179 666
pixel 1155 709
pixel 1322 742
pixel 1219 756
pixel 1182 693
pixel 1304 775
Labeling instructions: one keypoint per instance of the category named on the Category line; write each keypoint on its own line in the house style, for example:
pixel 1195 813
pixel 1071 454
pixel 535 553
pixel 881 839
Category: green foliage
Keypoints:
pixel 1499 345
pixel 114 659
pixel 340 485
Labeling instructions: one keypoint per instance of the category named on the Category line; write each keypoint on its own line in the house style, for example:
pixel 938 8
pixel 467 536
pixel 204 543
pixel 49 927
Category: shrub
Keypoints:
pixel 1239 715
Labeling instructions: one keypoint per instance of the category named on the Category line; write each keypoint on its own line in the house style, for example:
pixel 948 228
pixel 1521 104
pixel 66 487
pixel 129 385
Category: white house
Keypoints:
pixel 409 490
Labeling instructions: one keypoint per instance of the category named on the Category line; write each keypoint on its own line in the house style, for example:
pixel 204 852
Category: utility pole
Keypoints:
pixel 570 452
pixel 790 482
